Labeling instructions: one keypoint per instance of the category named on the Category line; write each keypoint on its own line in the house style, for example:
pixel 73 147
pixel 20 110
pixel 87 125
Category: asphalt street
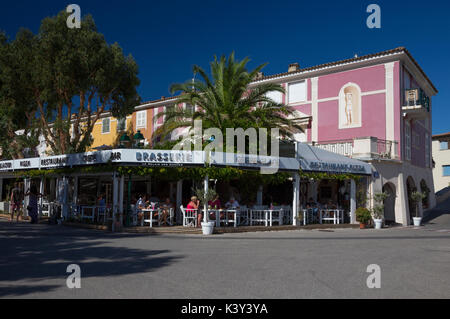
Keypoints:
pixel 415 263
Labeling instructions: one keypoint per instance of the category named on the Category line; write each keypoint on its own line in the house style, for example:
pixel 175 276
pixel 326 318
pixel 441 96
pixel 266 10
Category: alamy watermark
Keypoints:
pixel 374 19
pixel 74 279
pixel 374 279
pixel 74 19
pixel 269 164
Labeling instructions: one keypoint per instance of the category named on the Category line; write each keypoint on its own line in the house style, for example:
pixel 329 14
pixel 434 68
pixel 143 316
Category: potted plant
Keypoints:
pixel 378 209
pixel 417 197
pixel 363 216
pixel 204 198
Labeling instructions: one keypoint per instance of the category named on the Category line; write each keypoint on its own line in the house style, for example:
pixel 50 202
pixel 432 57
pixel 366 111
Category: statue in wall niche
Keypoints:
pixel 348 107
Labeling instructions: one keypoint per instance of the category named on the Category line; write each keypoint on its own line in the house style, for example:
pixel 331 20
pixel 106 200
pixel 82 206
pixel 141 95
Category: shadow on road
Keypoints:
pixel 440 214
pixel 40 252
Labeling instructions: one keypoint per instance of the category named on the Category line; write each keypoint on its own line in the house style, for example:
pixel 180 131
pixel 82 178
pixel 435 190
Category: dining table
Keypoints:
pixel 218 211
pixel 151 211
pixel 334 214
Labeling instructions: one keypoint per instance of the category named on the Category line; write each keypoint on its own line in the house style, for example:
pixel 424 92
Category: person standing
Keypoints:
pixel 33 203
pixel 15 200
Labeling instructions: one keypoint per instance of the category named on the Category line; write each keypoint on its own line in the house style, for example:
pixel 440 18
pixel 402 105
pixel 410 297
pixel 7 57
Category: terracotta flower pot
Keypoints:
pixel 362 225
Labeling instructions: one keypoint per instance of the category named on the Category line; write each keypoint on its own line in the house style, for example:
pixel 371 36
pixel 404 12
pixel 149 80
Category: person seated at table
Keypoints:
pixel 194 205
pixel 153 206
pixel 101 204
pixel 140 205
pixel 232 204
pixel 215 203
pixel 331 205
pixel 166 206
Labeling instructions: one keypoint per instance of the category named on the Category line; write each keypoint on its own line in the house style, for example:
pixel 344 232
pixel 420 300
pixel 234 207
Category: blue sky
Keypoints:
pixel 167 37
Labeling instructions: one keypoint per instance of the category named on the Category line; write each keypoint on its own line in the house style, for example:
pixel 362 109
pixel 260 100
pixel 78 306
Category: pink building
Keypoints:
pixel 375 108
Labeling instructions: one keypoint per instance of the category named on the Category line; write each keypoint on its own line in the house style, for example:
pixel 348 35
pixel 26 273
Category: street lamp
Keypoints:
pixel 124 141
pixel 139 139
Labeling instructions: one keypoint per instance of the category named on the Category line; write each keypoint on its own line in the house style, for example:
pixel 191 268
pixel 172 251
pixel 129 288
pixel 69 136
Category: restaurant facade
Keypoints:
pixel 375 108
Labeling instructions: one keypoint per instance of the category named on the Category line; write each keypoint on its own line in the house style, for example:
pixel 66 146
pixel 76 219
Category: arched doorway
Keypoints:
pixel 424 189
pixel 389 203
pixel 410 188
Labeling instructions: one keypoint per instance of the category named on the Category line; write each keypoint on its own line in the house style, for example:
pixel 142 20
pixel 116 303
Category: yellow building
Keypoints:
pixel 107 130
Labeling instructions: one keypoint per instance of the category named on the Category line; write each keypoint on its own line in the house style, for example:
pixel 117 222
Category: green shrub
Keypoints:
pixel 363 215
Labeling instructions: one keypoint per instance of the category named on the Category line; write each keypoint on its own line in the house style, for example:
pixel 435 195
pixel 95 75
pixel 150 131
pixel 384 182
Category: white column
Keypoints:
pixel 75 190
pixel 65 204
pixel 205 212
pixel 26 199
pixel 296 200
pixel 352 202
pixel 41 191
pixel 401 202
pixel 259 195
pixel 179 200
pixel 389 67
pixel 121 191
pixel 114 201
pixel 314 108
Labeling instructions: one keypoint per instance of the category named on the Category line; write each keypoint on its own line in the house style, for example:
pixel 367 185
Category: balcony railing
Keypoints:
pixel 342 147
pixel 417 103
pixel 362 148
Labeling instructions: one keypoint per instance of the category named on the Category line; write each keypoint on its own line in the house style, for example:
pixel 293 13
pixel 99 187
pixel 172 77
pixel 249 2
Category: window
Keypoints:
pixel 275 96
pixel 106 125
pixel 121 125
pixel 444 146
pixel 189 107
pixel 446 170
pixel 408 141
pixel 297 92
pixel 141 119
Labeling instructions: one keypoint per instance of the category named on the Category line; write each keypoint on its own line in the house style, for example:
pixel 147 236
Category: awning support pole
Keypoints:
pixel 296 197
pixel 352 202
pixel 205 211
pixel 121 190
pixel 179 199
pixel 41 191
pixel 114 203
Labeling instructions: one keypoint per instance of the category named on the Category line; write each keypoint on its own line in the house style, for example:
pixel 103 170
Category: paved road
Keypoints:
pixel 290 264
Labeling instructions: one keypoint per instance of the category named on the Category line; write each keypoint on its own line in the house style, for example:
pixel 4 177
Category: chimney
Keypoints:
pixel 293 67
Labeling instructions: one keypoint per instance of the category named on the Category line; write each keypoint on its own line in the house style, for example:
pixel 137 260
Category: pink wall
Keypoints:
pixel 373 120
pixel 368 79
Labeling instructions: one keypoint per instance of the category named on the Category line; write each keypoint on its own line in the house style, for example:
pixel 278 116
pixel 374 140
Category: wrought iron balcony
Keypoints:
pixel 417 104
pixel 365 148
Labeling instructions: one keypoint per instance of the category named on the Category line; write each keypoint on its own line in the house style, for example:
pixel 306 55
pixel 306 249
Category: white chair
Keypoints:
pixel 287 213
pixel 152 218
pixel 45 208
pixel 189 217
pixel 235 219
pixel 243 215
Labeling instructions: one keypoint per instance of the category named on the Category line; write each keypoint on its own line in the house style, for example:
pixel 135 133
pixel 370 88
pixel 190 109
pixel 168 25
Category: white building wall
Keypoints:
pixel 397 173
pixel 441 158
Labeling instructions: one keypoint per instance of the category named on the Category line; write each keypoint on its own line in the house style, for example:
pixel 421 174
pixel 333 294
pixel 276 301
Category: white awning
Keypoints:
pixel 314 159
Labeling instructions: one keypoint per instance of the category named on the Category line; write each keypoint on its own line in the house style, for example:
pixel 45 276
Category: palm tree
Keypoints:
pixel 227 101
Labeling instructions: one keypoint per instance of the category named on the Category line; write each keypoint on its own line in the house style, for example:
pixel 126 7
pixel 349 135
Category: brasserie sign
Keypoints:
pixel 125 156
